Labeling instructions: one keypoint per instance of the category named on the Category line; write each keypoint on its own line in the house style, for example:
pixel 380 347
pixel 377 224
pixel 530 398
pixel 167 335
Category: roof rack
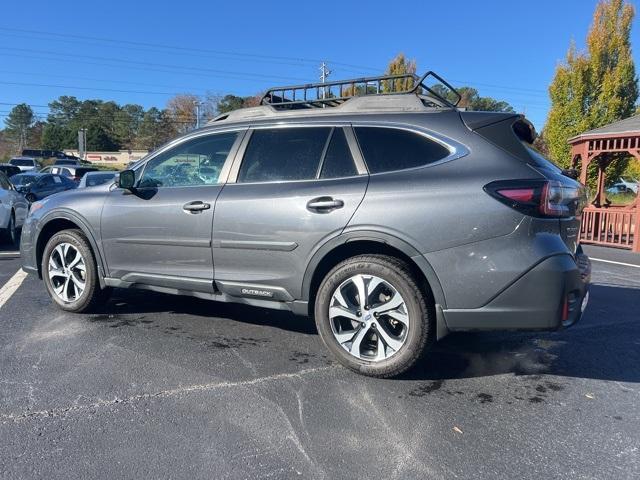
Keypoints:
pixel 333 94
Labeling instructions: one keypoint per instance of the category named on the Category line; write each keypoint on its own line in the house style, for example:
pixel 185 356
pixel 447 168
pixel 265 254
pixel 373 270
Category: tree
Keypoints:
pixel 399 65
pixel 229 103
pixel 54 136
pixel 182 110
pixel 155 129
pixel 18 124
pixel 596 87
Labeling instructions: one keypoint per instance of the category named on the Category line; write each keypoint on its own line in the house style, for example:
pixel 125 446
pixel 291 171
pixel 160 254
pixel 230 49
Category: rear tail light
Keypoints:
pixel 540 198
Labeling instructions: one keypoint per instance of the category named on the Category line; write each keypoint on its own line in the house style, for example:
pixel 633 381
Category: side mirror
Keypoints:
pixel 126 179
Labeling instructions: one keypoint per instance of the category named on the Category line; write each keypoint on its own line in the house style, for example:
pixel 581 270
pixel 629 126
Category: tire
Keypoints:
pixel 63 284
pixel 374 357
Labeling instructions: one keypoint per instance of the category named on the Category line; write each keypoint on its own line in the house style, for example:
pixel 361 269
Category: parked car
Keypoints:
pixel 624 185
pixel 36 186
pixel 74 172
pixel 25 164
pixel 93 179
pixel 8 169
pixel 13 210
pixel 393 219
pixel 67 161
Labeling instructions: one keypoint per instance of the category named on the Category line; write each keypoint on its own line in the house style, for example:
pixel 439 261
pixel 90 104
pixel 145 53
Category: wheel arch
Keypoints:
pixel 58 221
pixel 357 243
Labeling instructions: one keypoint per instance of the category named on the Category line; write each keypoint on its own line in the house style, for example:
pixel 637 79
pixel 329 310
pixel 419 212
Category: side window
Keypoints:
pixel 283 154
pixel 338 161
pixel 57 179
pixel 194 162
pixel 388 149
pixel 46 181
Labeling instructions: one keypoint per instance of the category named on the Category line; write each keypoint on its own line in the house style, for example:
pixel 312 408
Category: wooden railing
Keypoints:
pixel 611 226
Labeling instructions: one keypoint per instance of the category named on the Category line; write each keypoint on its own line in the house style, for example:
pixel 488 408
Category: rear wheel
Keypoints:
pixel 70 273
pixel 372 315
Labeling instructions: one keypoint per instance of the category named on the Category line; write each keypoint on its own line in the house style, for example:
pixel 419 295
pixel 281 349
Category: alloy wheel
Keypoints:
pixel 67 272
pixel 369 317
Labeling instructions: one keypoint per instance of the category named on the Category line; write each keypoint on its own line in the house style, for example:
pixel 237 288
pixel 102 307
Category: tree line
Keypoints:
pixel 111 126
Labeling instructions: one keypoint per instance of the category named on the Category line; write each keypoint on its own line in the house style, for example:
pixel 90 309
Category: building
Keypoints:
pixel 119 157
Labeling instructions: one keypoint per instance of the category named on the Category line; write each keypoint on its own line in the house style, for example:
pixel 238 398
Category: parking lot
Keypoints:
pixel 162 386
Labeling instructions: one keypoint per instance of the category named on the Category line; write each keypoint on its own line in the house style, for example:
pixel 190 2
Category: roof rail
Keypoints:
pixel 333 94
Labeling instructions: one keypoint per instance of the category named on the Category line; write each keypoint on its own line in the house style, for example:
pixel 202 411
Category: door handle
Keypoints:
pixel 196 206
pixel 324 204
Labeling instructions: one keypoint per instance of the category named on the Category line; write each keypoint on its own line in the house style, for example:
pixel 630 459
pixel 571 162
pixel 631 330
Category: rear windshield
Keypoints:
pixel 541 161
pixel 81 171
pixel 21 162
pixel 20 180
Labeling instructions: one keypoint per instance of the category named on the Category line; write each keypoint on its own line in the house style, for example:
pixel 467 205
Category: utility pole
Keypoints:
pixel 324 74
pixel 197 104
pixel 82 143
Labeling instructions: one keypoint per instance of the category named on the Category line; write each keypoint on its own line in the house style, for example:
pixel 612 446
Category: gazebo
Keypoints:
pixel 604 223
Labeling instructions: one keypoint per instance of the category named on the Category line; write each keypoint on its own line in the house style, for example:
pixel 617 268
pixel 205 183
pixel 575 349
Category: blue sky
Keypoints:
pixel 505 49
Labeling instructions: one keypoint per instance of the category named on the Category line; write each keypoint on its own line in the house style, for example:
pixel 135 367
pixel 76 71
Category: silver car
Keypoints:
pixel 25 164
pixel 93 179
pixel 389 216
pixel 13 210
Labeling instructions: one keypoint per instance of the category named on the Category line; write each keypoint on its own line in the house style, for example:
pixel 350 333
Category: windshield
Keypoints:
pixel 21 162
pixel 23 180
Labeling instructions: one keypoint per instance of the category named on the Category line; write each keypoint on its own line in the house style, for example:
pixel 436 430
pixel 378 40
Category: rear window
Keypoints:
pixel 388 149
pixel 21 162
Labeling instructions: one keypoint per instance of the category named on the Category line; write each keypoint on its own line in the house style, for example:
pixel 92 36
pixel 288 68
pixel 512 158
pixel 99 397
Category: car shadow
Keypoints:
pixel 604 345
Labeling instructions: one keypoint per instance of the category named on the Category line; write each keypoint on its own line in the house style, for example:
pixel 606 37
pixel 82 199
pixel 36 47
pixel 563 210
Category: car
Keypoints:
pixel 13 210
pixel 391 218
pixel 93 179
pixel 25 164
pixel 8 169
pixel 67 161
pixel 36 186
pixel 624 185
pixel 74 172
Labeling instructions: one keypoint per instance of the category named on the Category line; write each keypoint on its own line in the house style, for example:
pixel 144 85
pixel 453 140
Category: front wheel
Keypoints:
pixel 372 315
pixel 70 273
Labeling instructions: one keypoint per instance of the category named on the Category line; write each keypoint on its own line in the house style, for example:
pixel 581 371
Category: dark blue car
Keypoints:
pixel 36 186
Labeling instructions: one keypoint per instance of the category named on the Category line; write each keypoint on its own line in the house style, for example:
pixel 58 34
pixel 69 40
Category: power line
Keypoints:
pixel 185 49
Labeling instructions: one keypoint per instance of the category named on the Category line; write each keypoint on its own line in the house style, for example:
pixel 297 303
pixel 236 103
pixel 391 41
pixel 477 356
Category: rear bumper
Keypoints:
pixel 549 296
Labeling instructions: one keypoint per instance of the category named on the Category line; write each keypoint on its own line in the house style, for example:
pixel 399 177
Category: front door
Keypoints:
pixel 160 233
pixel 295 188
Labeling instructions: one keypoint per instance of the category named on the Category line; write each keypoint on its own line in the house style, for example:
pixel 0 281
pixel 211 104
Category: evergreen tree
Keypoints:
pixel 18 125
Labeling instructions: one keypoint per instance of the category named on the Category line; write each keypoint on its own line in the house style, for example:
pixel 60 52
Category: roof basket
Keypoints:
pixel 333 94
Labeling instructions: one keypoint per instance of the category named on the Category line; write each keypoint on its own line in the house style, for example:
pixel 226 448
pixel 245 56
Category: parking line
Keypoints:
pixel 615 263
pixel 11 286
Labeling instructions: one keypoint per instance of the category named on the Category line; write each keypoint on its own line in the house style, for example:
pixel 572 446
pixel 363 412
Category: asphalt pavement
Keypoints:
pixel 157 386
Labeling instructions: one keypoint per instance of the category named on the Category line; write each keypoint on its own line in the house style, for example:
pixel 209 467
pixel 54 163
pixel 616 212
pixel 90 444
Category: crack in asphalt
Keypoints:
pixel 63 411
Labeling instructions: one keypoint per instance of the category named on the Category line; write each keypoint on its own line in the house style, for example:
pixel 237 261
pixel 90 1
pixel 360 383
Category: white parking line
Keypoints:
pixel 11 286
pixel 615 263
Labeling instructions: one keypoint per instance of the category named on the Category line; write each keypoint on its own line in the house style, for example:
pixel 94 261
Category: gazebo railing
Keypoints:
pixel 611 226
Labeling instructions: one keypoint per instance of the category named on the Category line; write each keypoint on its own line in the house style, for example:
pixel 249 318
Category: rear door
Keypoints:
pixel 160 234
pixel 290 189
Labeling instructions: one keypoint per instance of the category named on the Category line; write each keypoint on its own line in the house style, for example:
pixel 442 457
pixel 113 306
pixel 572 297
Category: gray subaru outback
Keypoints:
pixel 374 205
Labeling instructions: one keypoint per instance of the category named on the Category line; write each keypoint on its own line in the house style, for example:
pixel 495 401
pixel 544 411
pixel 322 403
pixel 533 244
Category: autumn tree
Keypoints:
pixel 399 65
pixel 182 109
pixel 596 87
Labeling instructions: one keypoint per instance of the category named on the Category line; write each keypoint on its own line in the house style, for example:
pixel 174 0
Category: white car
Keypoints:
pixel 624 185
pixel 93 179
pixel 25 164
pixel 13 210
